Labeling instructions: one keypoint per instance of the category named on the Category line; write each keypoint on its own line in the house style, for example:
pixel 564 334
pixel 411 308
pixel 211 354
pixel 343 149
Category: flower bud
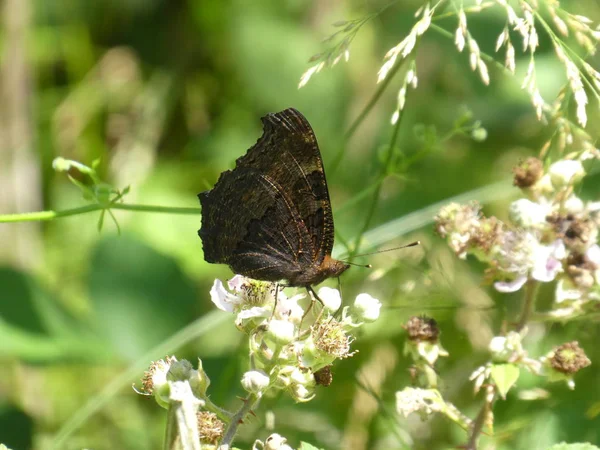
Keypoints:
pixel 422 329
pixel 528 172
pixel 180 370
pixel 566 172
pixel 569 358
pixel 276 442
pixel 281 331
pixel 366 308
pixel 331 298
pixel 255 381
pixel 506 348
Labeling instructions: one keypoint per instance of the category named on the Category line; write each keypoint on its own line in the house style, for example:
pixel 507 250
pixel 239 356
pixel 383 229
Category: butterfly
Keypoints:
pixel 270 217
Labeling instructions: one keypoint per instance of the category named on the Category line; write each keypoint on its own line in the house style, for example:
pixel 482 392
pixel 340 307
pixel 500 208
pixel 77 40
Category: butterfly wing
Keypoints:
pixel 288 154
pixel 249 223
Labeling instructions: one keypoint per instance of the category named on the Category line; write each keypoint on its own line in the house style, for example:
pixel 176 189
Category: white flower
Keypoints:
pixel 566 172
pixel 246 297
pixel 367 308
pixel 521 254
pixel 411 400
pixel 528 214
pixel 255 381
pixel 331 298
pixel 515 256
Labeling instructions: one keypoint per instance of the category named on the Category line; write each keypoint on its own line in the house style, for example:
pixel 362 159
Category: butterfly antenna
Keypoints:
pixel 412 244
pixel 366 266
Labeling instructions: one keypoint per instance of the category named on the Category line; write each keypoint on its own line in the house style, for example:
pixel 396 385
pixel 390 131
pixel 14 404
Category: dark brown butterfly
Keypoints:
pixel 270 218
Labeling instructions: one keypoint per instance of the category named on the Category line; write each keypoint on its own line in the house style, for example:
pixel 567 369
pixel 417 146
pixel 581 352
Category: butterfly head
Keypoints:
pixel 333 268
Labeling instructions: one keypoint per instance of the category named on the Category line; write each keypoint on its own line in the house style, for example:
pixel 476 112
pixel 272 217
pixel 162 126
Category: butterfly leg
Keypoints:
pixel 312 294
pixel 275 302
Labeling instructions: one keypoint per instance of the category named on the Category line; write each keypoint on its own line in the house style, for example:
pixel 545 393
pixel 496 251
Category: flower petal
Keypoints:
pixel 255 311
pixel 221 298
pixel 511 286
pixel 593 254
pixel 236 283
pixel 289 309
pixel 547 261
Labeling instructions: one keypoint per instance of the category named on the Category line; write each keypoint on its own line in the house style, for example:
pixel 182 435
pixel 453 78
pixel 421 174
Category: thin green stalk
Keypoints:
pixel 40 216
pixel 479 423
pixel 531 289
pixel 248 403
pixel 377 191
pixel 171 434
pixel 361 117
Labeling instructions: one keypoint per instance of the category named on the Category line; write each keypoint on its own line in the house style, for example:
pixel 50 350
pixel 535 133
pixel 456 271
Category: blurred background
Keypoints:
pixel 167 94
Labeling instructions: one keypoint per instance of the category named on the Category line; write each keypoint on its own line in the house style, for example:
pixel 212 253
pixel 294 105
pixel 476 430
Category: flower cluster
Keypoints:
pixel 285 352
pixel 553 236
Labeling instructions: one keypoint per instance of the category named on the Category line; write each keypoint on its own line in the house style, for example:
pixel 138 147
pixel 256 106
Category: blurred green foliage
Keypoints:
pixel 167 93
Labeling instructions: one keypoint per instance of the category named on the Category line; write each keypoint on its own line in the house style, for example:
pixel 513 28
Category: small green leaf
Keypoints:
pixel 307 446
pixel 504 375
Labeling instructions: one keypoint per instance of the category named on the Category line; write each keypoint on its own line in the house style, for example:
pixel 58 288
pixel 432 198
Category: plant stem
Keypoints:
pixel 170 441
pixel 479 422
pixel 51 215
pixel 374 202
pixel 363 114
pixel 531 289
pixel 236 420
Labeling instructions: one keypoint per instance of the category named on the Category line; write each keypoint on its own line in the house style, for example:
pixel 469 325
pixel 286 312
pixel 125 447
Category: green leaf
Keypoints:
pixel 307 446
pixel 504 375
pixel 576 446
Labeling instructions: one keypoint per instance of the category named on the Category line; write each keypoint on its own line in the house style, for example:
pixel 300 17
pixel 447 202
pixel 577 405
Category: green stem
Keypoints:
pixel 531 289
pixel 221 413
pixel 51 215
pixel 171 434
pixel 374 202
pixel 363 114
pixel 479 423
pixel 236 420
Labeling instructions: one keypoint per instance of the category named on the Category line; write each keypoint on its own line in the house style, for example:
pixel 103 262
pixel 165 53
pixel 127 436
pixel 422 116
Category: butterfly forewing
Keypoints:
pixel 289 154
